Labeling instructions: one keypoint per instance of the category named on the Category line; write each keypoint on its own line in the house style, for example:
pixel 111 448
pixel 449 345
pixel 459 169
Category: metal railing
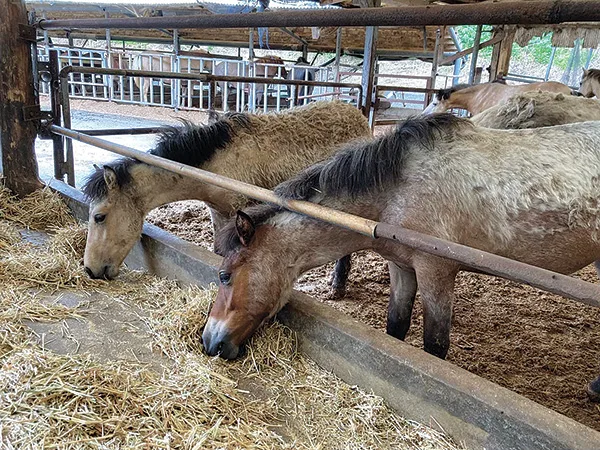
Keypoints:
pixel 489 263
pixel 192 94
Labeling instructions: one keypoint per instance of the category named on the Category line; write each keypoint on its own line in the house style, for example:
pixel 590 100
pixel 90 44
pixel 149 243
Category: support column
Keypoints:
pixel 17 134
pixel 475 54
pixel 504 52
pixel 368 73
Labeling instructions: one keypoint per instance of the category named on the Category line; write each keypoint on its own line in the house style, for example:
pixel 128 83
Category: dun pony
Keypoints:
pixel 590 83
pixel 439 175
pixel 538 109
pixel 259 149
pixel 479 97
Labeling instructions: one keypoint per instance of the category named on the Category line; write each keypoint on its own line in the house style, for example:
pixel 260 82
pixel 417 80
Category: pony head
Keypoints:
pixel 115 221
pixel 442 101
pixel 588 78
pixel 254 283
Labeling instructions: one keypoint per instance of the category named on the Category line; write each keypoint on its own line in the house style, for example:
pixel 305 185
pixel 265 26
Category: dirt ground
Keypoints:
pixel 536 344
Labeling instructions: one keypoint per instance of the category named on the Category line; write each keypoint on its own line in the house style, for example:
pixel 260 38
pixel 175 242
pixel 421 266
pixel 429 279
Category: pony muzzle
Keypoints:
pixel 216 340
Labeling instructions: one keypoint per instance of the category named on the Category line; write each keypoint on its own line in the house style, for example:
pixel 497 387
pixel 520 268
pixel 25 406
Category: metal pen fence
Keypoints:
pixel 193 94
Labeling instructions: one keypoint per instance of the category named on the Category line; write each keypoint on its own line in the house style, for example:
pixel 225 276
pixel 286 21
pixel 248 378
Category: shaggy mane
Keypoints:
pixel 359 168
pixel 370 167
pixel 189 144
pixel 593 74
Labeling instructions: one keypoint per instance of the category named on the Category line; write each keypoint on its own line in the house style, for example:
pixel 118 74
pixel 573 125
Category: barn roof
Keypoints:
pixel 416 42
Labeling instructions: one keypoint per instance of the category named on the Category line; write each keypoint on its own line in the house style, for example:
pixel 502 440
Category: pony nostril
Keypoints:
pixel 89 272
pixel 220 347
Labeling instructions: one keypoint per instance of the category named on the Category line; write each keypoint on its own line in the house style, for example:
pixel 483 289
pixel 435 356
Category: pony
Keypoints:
pixel 299 73
pixel 479 97
pixel 161 62
pixel 260 149
pixel 268 67
pixel 439 175
pixel 538 109
pixel 589 85
pixel 264 67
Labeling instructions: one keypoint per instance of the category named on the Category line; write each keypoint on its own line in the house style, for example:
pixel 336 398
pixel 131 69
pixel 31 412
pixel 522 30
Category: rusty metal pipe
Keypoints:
pixel 199 76
pixel 355 223
pixel 579 290
pixel 525 13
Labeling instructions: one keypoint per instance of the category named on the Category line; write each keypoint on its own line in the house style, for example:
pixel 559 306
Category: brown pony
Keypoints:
pixel 479 97
pixel 262 149
pixel 439 175
pixel 538 109
pixel 590 83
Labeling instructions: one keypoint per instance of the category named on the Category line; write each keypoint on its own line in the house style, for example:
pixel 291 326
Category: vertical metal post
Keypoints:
pixel 251 72
pixel 175 84
pixel 338 54
pixel 475 54
pixel 108 79
pixel 550 63
pixel 68 167
pixel 368 73
pixel 58 145
pixel 434 64
pixel 589 58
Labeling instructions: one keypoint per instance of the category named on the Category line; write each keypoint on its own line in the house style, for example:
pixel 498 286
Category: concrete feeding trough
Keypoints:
pixel 417 385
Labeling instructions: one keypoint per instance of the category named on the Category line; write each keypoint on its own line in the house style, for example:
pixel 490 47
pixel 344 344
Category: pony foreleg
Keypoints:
pixel 403 289
pixel 339 277
pixel 436 285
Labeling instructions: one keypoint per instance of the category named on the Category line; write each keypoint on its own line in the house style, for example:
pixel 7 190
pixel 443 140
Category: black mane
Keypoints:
pixel 593 74
pixel 444 94
pixel 189 144
pixel 359 168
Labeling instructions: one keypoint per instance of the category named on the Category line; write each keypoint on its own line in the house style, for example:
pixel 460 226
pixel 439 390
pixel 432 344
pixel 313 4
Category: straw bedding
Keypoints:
pixel 273 398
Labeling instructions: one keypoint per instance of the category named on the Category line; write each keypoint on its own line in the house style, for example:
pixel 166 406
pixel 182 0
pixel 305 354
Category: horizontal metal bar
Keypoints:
pixel 406 89
pixel 355 223
pixel 564 285
pixel 207 78
pixel 501 13
pixel 468 51
pixel 120 131
pixel 487 262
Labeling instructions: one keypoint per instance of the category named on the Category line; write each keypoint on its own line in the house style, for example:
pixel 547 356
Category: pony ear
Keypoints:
pixel 110 177
pixel 244 226
pixel 585 72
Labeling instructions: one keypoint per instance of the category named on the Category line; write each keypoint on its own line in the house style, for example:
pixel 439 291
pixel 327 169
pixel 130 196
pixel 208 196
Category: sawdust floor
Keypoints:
pixel 539 345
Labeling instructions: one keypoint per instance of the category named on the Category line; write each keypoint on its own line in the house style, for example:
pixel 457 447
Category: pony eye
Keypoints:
pixel 99 218
pixel 224 277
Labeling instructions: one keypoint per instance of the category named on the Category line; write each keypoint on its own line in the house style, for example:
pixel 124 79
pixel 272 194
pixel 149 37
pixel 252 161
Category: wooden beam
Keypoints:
pixel 468 51
pixel 505 53
pixel 18 112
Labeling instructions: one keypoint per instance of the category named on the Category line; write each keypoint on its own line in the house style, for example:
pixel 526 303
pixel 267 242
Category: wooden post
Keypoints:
pixel 501 54
pixel 368 73
pixel 17 132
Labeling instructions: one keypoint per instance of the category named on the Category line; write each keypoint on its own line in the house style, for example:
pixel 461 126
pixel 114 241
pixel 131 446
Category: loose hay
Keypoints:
pixel 273 398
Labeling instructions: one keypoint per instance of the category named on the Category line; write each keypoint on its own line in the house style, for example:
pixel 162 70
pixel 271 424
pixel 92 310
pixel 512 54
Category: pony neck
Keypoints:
pixel 460 99
pixel 310 243
pixel 156 187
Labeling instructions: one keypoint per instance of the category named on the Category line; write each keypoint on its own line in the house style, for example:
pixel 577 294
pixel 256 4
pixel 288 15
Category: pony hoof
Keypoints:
pixel 593 390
